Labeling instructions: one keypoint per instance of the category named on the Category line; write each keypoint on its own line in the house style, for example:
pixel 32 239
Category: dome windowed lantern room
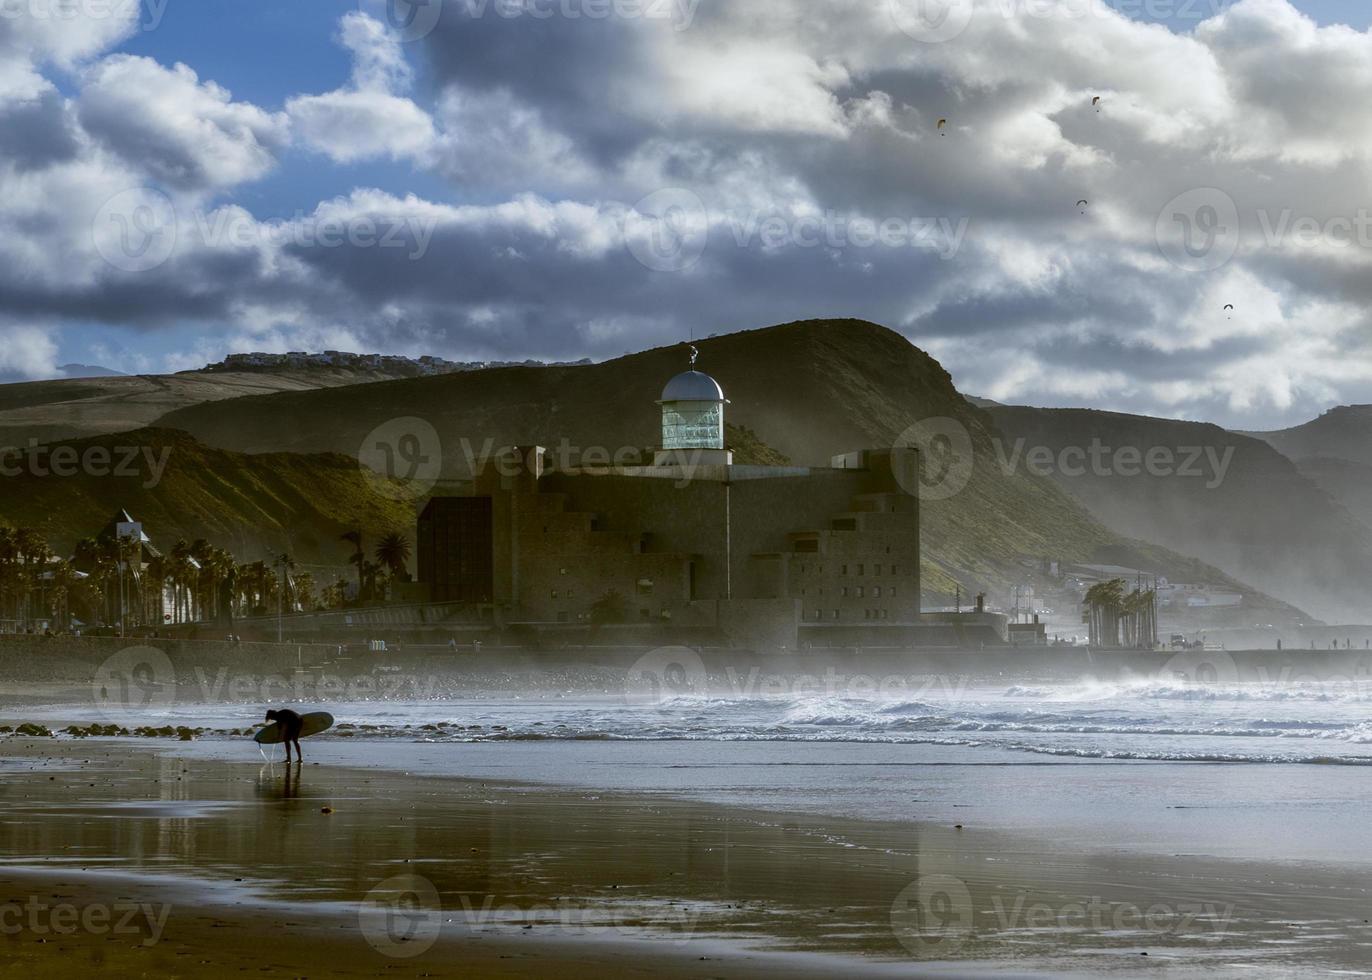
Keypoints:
pixel 692 414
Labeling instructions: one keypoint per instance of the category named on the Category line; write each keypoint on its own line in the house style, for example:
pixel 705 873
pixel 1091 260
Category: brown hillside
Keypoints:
pixel 251 505
pixel 808 390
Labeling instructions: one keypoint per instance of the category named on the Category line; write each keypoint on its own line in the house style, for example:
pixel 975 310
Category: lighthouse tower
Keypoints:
pixel 693 420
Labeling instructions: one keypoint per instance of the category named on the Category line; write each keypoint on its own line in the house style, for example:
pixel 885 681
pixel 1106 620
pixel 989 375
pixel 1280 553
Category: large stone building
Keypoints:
pixel 796 553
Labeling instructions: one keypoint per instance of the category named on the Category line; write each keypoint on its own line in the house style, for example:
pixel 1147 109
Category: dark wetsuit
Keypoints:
pixel 289 722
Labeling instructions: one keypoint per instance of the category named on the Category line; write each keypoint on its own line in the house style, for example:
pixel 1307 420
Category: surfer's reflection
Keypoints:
pixel 274 784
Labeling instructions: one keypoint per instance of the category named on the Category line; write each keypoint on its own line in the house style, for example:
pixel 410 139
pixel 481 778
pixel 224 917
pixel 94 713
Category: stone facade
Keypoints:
pixel 673 542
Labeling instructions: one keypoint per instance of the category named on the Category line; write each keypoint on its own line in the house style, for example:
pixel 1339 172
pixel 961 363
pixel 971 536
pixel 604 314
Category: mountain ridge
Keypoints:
pixel 808 390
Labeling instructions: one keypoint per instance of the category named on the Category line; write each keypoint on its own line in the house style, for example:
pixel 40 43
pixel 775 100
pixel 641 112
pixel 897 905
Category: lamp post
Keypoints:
pixel 281 561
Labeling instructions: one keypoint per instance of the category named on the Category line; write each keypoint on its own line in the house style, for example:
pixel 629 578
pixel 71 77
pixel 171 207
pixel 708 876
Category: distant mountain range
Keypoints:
pixel 391 365
pixel 88 371
pixel 1227 498
pixel 1340 433
pixel 254 442
pixel 76 407
pixel 1335 451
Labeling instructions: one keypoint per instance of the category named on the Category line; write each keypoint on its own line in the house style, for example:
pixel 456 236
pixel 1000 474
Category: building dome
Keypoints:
pixel 693 386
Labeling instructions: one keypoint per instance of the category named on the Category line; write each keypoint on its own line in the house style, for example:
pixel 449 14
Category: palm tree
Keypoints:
pixel 183 575
pixel 1140 628
pixel 33 555
pixel 370 571
pixel 64 583
pixel 333 595
pixel 287 565
pixel 222 573
pixel 155 594
pixel 358 558
pixel 254 583
pixel 304 592
pixel 394 553
pixel 1105 602
pixel 9 568
pixel 202 553
pixel 123 554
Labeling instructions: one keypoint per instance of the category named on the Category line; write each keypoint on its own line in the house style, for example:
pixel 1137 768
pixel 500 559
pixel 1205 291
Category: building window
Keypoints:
pixel 562 571
pixel 891 592
pixel 819 614
pixel 844 592
pixel 645 586
pixel 876 592
pixel 862 570
pixel 836 614
pixel 843 570
pixel 876 569
pixel 861 592
pixel 554 593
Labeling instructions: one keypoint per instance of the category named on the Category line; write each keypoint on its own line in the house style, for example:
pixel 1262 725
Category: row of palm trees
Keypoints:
pixel 1116 619
pixel 392 556
pixel 112 580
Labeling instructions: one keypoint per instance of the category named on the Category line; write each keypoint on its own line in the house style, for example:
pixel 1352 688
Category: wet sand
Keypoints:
pixel 165 863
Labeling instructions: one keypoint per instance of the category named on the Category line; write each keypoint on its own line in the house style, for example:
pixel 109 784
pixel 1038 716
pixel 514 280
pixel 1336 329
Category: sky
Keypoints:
pixel 1154 206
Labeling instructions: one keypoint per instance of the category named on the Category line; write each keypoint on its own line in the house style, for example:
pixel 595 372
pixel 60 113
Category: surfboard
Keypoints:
pixel 310 724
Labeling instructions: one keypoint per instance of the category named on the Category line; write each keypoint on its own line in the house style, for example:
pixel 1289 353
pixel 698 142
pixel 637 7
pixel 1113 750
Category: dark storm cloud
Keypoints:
pixel 578 72
pixel 38 133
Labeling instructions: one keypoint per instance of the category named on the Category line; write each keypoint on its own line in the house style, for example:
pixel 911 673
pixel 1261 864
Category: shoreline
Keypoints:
pixel 613 881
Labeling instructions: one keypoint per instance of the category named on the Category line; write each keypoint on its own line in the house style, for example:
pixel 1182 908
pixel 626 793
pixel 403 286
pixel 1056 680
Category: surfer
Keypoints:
pixel 289 722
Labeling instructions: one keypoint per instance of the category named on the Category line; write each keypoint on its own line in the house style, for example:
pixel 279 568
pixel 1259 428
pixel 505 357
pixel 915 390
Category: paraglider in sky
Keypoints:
pixel 1096 103
pixel 942 123
pixel 1083 203
pixel 1229 308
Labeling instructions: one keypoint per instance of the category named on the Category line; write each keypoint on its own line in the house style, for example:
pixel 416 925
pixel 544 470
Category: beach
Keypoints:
pixel 517 816
pixel 389 857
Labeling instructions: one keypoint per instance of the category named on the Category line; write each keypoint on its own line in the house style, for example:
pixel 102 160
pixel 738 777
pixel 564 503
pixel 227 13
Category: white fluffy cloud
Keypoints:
pixel 371 117
pixel 26 353
pixel 179 130
pixel 60 33
pixel 786 133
